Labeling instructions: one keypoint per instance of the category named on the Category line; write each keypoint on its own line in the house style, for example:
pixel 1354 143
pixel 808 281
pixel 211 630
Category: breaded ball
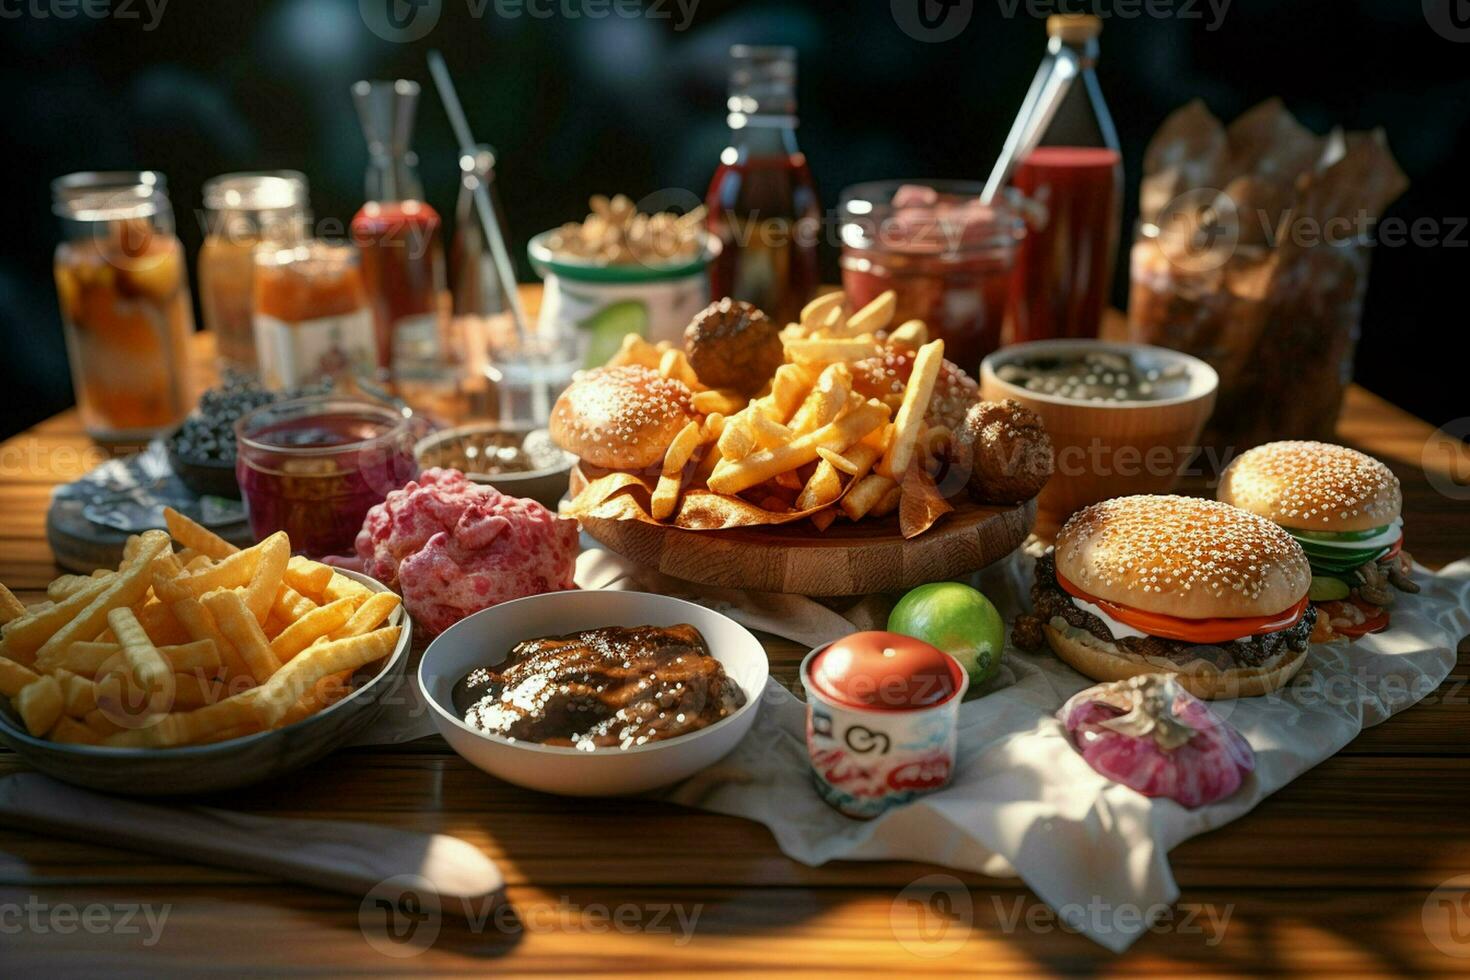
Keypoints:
pixel 1005 447
pixel 731 344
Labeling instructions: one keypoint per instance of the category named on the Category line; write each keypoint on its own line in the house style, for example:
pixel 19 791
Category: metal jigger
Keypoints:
pixel 385 110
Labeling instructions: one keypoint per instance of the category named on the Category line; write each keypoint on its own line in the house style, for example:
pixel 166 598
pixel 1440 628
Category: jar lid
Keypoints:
pixel 268 190
pixel 936 217
pixel 880 671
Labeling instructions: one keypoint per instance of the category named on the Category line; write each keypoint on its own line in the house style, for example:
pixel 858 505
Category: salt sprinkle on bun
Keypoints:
pixel 621 418
pixel 1182 556
pixel 1313 486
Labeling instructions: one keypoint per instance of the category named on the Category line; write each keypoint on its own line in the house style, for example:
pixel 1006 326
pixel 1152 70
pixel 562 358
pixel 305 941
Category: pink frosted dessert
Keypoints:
pixel 452 547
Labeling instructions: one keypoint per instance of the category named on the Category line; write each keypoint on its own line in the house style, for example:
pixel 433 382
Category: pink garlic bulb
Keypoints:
pixel 1152 735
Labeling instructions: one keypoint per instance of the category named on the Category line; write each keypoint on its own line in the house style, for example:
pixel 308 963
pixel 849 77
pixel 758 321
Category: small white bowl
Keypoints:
pixel 485 638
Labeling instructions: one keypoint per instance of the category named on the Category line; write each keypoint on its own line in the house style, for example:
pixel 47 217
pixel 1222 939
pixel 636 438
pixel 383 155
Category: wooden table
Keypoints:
pixel 1330 875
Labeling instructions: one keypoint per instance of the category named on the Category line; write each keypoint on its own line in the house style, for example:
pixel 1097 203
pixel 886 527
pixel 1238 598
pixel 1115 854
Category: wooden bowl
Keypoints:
pixel 1115 448
pixel 847 559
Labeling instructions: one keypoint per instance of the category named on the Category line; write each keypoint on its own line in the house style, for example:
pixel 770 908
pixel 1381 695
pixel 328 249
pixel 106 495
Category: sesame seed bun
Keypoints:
pixel 1182 556
pixel 1103 661
pixel 1313 486
pixel 621 418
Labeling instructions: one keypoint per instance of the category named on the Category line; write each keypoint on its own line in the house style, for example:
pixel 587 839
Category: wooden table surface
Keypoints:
pixel 1331 875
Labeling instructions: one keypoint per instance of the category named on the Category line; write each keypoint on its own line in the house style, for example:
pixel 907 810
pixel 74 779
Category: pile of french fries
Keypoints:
pixel 186 647
pixel 808 444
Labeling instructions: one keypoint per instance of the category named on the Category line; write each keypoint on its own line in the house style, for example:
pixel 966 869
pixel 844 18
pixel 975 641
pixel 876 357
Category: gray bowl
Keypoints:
pixel 545 486
pixel 227 765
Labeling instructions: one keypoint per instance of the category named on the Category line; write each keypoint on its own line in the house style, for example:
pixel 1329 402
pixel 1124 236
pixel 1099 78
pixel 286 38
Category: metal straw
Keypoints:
pixel 1048 88
pixel 488 221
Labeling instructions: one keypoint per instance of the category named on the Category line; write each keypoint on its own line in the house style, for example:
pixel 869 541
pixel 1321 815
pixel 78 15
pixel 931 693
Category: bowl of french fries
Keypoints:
pixel 196 669
pixel 850 440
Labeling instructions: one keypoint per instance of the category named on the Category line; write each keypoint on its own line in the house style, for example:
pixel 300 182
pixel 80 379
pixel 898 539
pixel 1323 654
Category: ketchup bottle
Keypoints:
pixel 1073 171
pixel 397 234
pixel 762 202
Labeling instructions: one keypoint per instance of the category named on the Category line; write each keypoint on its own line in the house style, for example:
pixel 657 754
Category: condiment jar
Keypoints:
pixel 882 710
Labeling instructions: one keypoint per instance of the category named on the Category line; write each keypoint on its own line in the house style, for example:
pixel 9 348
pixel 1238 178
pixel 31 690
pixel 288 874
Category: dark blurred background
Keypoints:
pixel 577 103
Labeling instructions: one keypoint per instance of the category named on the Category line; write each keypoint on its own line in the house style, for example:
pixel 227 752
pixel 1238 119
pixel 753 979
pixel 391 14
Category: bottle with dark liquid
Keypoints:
pixel 1071 169
pixel 397 232
pixel 762 202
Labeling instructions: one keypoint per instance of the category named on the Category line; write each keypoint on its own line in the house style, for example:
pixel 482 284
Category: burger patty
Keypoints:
pixel 1049 601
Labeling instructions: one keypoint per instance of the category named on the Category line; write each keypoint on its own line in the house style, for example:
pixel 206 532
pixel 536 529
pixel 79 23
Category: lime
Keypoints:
pixel 956 619
pixel 609 325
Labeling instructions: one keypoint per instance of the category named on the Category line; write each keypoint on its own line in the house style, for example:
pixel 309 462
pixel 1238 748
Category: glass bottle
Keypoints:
pixel 762 201
pixel 243 211
pixel 397 232
pixel 1071 169
pixel 311 314
pixel 125 307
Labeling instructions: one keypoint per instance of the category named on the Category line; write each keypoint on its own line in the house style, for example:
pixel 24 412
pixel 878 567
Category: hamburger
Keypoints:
pixel 621 418
pixel 1345 510
pixel 1193 588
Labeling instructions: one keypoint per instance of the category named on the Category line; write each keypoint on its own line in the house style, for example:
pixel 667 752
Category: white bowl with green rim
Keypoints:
pixel 600 304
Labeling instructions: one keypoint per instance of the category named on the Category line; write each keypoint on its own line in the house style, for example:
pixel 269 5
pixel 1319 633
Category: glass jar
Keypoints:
pixel 312 467
pixel 125 305
pixel 311 314
pixel 1268 320
pixel 243 211
pixel 946 256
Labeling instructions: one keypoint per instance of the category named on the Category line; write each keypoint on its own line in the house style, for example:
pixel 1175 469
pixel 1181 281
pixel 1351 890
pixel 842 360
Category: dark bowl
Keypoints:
pixel 205 477
pixel 196 769
pixel 448 448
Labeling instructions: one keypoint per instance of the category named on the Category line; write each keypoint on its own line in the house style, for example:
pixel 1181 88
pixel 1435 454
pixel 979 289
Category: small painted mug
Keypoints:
pixel 881 722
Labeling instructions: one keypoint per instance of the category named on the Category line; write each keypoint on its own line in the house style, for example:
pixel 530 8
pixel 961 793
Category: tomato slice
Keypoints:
pixel 1219 630
pixel 1375 617
pixel 1393 550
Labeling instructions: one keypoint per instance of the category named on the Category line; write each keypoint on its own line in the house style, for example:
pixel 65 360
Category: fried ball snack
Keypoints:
pixel 731 344
pixel 1005 448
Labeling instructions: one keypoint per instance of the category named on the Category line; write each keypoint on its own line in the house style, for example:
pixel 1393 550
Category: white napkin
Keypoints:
pixel 1023 801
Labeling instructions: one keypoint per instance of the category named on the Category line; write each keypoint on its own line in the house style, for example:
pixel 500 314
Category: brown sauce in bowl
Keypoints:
pixel 611 687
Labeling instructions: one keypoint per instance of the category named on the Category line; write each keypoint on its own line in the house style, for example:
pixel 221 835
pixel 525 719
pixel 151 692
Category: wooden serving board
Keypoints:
pixel 848 559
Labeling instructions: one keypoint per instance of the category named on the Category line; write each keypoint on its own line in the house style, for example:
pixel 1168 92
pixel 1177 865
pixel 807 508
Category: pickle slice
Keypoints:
pixel 1326 589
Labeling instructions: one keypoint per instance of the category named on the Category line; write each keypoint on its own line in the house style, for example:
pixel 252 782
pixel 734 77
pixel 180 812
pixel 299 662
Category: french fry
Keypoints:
pixel 827 398
pixel 341 586
pixel 679 451
pixel 823 519
pixel 823 487
pixel 196 536
pixel 291 605
pixel 376 610
pixel 911 412
pixel 856 461
pixel 14 676
pixel 712 429
pixel 721 400
pixel 665 497
pixel 266 581
pixel 294 679
pixel 761 466
pixel 194 690
pixel 131 546
pixel 99 722
pixel 126 588
pixel 818 309
pixel 66 586
pixel 229 573
pixel 198 563
pixel 675 364
pixel 825 351
pixel 89 658
pixel 160 623
pixel 145 664
pixel 185 727
pixel 888 503
pixel 40 704
pixel 865 494
pixel 306 576
pixel 79 694
pixel 737 441
pixel 325 693
pixel 636 350
pixel 875 316
pixel 910 335
pixel 317 623
pixel 24 636
pixel 238 624
pixel 769 434
pixel 69 731
pixel 201 625
pixel 789 386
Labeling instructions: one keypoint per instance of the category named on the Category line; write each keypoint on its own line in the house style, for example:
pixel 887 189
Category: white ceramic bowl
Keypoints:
pixel 486 637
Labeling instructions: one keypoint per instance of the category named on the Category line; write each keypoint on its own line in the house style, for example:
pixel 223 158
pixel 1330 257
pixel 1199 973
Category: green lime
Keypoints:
pixel 956 619
pixel 609 325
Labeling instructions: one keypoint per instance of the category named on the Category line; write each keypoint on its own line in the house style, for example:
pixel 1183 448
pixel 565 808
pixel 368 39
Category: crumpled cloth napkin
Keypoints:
pixel 1023 802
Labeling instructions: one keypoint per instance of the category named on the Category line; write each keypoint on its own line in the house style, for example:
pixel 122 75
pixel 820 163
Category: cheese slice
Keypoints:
pixel 1119 630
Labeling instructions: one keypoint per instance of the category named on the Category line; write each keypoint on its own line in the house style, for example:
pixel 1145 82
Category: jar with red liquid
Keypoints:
pixel 946 256
pixel 1071 172
pixel 762 201
pixel 313 467
pixel 397 233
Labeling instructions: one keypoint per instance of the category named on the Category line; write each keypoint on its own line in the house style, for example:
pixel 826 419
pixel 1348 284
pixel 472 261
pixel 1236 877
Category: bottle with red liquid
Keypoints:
pixel 1070 169
pixel 762 201
pixel 397 233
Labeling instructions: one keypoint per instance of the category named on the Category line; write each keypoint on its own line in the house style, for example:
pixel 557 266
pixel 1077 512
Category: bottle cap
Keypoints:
pixel 1073 28
pixel 762 80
